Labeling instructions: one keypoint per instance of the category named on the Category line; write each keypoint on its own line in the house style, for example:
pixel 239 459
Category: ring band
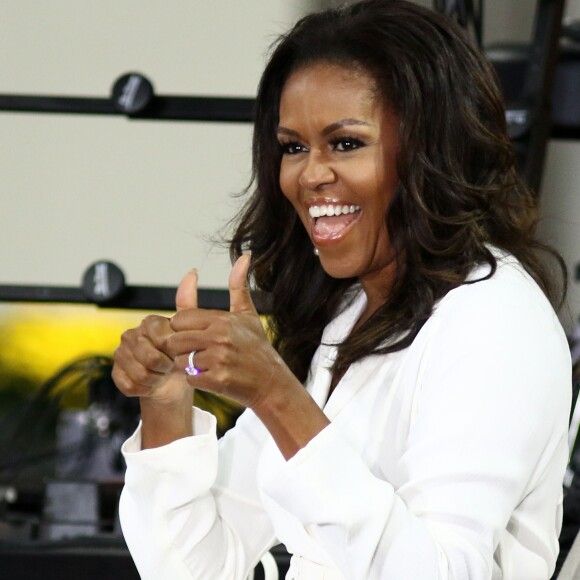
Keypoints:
pixel 191 369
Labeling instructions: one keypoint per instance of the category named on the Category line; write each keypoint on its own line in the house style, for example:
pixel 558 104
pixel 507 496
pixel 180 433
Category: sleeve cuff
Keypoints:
pixel 191 460
pixel 203 424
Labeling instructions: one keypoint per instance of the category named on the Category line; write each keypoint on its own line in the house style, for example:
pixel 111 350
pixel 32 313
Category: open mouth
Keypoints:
pixel 331 220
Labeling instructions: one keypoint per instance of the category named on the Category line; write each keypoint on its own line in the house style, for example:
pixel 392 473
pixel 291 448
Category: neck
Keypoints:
pixel 377 287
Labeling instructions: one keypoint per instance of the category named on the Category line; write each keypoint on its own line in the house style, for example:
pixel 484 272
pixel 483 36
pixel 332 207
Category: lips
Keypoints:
pixel 331 221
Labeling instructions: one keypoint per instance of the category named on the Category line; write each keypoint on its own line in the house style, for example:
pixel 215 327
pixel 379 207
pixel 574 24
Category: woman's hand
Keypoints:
pixel 142 368
pixel 235 358
pixel 232 351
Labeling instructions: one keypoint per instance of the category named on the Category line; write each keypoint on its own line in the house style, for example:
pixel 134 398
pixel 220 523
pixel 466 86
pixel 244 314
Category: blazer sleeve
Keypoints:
pixel 188 511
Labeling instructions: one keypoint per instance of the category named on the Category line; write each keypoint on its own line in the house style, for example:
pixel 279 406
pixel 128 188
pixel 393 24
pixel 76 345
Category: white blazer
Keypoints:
pixel 442 461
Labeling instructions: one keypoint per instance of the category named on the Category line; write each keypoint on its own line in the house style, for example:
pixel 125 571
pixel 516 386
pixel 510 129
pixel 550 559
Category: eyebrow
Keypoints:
pixel 327 130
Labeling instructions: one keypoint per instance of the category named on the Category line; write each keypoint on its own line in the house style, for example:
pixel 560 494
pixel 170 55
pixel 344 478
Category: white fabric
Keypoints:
pixel 442 461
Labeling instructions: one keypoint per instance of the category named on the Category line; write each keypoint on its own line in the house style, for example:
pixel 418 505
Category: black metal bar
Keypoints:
pixel 565 132
pixel 176 108
pixel 48 104
pixel 237 110
pixel 132 298
pixel 23 293
pixel 539 83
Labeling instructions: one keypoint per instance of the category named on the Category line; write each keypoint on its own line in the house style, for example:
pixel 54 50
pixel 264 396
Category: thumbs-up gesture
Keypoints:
pixel 234 358
pixel 240 297
pixel 143 366
pixel 232 352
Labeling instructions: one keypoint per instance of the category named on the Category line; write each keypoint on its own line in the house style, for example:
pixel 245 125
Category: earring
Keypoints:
pixel 316 252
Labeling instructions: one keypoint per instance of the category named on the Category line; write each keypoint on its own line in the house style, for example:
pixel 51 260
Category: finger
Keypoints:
pixel 185 341
pixel 158 330
pixel 195 319
pixel 186 296
pixel 199 359
pixel 126 385
pixel 136 375
pixel 240 298
pixel 151 358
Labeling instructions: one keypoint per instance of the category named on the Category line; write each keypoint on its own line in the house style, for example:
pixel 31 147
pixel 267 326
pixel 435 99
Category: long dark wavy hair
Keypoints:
pixel 459 190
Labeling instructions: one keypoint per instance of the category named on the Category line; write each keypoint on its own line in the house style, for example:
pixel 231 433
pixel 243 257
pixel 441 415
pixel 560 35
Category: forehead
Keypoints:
pixel 331 88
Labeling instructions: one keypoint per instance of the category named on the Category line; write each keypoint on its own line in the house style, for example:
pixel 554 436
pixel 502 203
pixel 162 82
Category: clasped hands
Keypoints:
pixel 232 351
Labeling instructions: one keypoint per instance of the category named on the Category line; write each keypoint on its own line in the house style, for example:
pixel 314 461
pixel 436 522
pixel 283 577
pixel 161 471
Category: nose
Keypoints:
pixel 316 172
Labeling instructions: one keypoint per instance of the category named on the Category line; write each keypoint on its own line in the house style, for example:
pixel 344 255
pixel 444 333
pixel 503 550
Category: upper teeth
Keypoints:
pixel 323 210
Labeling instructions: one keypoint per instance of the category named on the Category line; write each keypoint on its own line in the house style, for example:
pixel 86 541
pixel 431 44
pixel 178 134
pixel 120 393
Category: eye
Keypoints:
pixel 292 148
pixel 346 144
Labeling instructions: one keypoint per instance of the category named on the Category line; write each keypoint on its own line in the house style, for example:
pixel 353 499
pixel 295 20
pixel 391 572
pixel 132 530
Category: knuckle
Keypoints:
pixel 180 320
pixel 150 319
pixel 222 378
pixel 222 358
pixel 224 335
pixel 141 375
pixel 116 376
pixel 149 358
pixel 223 340
pixel 174 321
pixel 122 382
pixel 127 335
pixel 153 359
pixel 153 323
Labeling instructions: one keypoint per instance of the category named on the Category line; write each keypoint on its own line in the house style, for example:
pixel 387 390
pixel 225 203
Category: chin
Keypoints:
pixel 336 268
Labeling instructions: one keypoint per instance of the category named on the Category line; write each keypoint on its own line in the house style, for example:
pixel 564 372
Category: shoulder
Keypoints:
pixel 509 301
pixel 498 335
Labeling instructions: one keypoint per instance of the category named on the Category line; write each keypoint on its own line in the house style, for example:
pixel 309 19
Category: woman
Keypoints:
pixel 409 298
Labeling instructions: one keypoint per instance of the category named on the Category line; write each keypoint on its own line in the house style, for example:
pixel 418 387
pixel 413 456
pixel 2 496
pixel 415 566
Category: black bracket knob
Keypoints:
pixel 103 282
pixel 132 94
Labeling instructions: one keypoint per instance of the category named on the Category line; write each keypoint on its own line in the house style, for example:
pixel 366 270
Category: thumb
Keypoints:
pixel 240 298
pixel 186 296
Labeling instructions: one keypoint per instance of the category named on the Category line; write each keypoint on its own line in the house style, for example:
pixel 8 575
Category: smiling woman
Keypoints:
pixel 409 417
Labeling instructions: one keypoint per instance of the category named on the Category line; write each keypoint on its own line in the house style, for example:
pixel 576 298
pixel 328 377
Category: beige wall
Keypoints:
pixel 145 194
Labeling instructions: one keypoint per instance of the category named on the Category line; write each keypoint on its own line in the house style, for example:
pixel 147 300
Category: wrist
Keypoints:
pixel 292 417
pixel 165 422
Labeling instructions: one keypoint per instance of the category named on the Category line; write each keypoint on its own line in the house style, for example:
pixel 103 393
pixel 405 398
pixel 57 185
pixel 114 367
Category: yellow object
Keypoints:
pixel 38 340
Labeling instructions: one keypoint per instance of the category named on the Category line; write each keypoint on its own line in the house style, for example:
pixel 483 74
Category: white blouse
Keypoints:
pixel 442 461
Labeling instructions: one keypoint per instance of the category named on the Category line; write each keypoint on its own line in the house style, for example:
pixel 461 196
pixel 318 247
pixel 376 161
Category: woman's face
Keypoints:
pixel 338 167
